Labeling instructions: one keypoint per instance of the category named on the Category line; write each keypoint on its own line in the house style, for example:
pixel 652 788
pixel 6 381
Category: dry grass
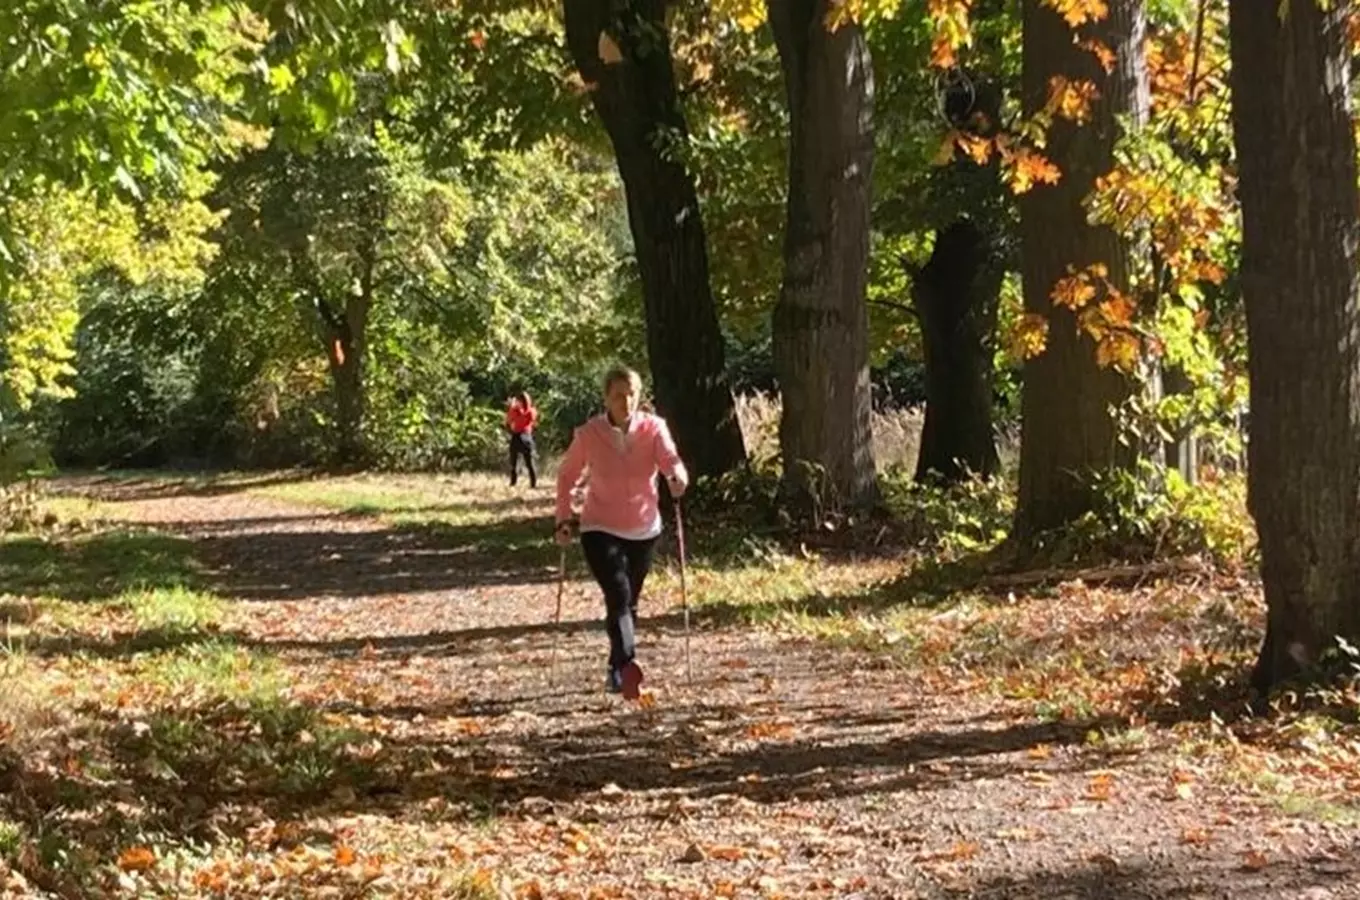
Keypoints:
pixel 897 433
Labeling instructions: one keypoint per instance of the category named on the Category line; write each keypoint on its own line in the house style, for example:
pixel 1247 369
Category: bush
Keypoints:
pixel 1151 512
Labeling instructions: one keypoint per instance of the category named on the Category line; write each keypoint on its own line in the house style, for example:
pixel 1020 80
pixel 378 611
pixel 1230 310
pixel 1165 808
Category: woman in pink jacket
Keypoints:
pixel 619 454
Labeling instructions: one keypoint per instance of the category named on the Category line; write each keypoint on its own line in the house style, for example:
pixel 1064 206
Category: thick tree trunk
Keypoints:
pixel 1067 428
pixel 622 51
pixel 1297 183
pixel 956 295
pixel 820 321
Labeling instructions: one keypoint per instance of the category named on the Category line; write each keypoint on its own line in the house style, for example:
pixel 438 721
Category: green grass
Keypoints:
pixel 93 567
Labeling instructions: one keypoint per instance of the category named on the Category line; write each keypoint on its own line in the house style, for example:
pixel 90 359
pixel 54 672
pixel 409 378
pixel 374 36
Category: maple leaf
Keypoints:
pixel 1029 337
pixel 478 39
pixel 345 855
pixel 979 149
pixel 137 859
pixel 1069 99
pixel 1079 12
pixel 942 55
pixel 1118 309
pixel 1028 168
pixel 1073 292
pixel 1119 350
pixel 1103 54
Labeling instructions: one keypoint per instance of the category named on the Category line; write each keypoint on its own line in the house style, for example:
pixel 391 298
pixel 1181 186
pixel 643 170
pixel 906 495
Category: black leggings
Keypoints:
pixel 522 445
pixel 620 566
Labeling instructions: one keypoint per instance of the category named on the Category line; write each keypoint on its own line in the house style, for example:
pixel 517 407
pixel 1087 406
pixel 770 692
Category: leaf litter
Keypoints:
pixel 427 754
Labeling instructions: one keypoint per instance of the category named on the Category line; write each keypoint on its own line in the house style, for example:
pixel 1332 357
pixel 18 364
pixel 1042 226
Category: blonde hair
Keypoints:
pixel 622 373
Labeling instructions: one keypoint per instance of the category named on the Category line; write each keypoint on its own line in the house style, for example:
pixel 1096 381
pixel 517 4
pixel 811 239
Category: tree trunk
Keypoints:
pixel 1067 429
pixel 343 335
pixel 820 321
pixel 1297 183
pixel 956 295
pixel 636 98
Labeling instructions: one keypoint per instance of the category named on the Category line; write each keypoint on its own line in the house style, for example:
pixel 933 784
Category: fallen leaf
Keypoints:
pixel 345 855
pixel 693 854
pixel 1023 833
pixel 731 854
pixel 1040 751
pixel 1196 834
pixel 137 859
pixel 1254 860
pixel 769 730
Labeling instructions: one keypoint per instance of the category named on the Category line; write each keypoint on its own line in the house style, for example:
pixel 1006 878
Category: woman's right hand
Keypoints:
pixel 563 533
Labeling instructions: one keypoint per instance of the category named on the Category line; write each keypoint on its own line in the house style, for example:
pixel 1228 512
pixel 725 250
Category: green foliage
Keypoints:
pixel 1148 513
pixel 950 521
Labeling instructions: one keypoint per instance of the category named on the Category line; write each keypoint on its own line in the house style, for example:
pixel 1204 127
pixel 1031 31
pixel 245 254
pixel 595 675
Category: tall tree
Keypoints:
pixel 1068 430
pixel 1293 129
pixel 622 52
pixel 820 321
pixel 956 295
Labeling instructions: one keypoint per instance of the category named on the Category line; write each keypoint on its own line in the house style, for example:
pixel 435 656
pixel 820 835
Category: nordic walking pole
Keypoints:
pixel 557 617
pixel 684 594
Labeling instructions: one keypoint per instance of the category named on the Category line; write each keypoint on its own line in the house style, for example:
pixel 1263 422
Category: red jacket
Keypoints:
pixel 521 418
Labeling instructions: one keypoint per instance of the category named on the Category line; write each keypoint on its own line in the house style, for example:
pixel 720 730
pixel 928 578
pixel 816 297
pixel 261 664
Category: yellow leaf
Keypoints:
pixel 1029 337
pixel 608 50
pixel 1040 751
pixel 945 154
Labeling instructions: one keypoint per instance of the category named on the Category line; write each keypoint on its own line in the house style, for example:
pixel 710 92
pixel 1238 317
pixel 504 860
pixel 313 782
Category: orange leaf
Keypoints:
pixel 1040 751
pixel 609 50
pixel 137 859
pixel 1254 860
pixel 769 730
pixel 1028 168
pixel 345 855
pixel 1073 292
pixel 731 854
pixel 1103 54
pixel 979 149
pixel 1079 12
pixel 1196 834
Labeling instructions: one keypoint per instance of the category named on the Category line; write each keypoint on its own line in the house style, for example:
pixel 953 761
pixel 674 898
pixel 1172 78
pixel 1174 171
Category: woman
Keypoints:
pixel 520 420
pixel 619 453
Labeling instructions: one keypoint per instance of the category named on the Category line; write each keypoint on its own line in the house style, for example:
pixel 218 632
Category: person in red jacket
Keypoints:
pixel 520 420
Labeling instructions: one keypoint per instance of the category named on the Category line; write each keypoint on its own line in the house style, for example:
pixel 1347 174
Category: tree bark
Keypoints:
pixel 1067 429
pixel 1297 183
pixel 820 321
pixel 956 295
pixel 343 335
pixel 636 100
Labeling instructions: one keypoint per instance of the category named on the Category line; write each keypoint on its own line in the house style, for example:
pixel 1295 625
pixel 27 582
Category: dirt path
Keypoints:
pixel 788 768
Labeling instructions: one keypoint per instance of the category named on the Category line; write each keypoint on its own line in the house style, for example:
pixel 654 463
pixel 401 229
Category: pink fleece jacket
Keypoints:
pixel 620 470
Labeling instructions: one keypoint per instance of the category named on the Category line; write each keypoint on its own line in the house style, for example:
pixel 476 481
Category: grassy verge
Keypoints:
pixel 145 750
